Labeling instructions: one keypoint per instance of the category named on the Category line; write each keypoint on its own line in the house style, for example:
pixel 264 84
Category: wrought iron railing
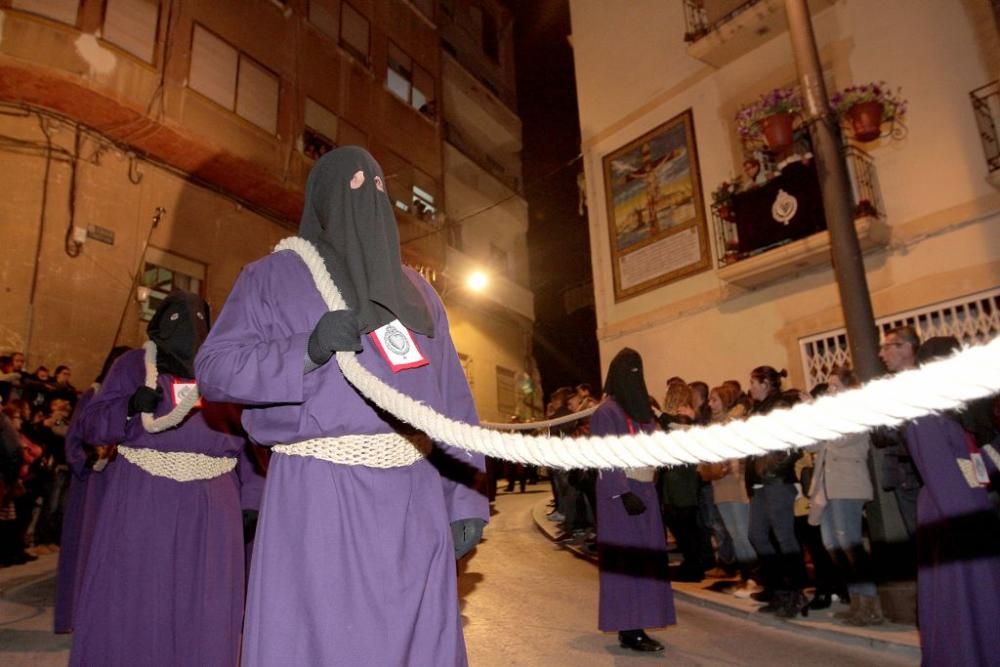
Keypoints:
pixel 865 191
pixel 986 107
pixel 703 16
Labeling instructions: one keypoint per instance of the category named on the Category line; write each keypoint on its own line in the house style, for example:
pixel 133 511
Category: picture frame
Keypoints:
pixel 657 223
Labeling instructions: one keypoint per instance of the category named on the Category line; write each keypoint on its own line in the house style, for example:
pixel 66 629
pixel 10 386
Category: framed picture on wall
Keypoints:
pixel 656 215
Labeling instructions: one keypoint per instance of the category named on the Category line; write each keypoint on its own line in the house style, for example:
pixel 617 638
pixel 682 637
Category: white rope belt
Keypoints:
pixel 178 466
pixel 942 385
pixel 378 450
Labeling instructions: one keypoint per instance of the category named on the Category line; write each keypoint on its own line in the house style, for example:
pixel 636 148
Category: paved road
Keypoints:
pixel 528 602
pixel 524 602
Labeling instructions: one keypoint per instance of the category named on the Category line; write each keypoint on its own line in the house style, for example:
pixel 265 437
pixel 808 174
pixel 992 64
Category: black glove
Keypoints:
pixel 337 330
pixel 249 525
pixel 633 503
pixel 144 400
pixel 465 534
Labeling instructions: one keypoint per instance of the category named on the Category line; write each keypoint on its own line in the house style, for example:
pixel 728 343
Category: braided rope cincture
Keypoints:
pixel 178 466
pixel 971 373
pixel 379 450
pixel 180 411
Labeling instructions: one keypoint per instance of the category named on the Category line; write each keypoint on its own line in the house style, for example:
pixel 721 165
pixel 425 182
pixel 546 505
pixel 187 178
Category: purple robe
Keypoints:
pixel 958 541
pixel 86 490
pixel 352 565
pixel 635 588
pixel 163 583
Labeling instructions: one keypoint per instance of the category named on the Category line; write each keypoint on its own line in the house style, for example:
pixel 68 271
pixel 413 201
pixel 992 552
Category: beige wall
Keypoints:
pixel 945 240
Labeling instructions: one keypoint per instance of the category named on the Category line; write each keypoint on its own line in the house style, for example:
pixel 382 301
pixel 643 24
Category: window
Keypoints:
pixel 354 29
pixel 506 399
pixel 64 11
pixel 410 190
pixel 320 133
pixel 234 80
pixel 410 82
pixel 131 25
pixel 164 272
pixel 323 15
pixel 424 196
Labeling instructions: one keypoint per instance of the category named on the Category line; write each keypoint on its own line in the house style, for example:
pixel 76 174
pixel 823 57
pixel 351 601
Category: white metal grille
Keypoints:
pixel 974 318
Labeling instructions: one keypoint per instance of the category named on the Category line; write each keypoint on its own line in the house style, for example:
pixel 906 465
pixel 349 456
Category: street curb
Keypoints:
pixel 907 643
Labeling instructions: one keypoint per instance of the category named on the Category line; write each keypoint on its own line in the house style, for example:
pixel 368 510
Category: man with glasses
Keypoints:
pixel 899 353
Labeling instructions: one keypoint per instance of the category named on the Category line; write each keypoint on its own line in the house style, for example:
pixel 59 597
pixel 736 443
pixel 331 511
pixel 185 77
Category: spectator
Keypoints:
pixel 898 473
pixel 770 483
pixel 841 486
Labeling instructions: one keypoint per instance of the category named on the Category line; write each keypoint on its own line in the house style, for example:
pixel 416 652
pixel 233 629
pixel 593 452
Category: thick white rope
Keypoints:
pixel 971 373
pixel 180 411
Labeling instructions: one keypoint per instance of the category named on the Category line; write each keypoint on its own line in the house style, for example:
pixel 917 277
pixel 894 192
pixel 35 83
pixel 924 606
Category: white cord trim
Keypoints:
pixel 379 450
pixel 180 411
pixel 178 466
pixel 942 385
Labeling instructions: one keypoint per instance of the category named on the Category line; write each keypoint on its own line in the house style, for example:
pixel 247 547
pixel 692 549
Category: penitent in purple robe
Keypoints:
pixel 163 583
pixel 958 541
pixel 352 565
pixel 632 550
pixel 86 489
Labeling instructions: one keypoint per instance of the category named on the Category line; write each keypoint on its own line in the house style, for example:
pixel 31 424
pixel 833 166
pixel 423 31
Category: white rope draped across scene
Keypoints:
pixel 971 373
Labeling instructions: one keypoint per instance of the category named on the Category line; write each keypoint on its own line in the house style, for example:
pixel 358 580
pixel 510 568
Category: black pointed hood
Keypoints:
pixel 349 218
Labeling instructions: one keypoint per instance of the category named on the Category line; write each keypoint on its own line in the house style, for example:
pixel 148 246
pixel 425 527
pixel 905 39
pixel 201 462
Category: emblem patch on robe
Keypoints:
pixel 182 388
pixel 397 347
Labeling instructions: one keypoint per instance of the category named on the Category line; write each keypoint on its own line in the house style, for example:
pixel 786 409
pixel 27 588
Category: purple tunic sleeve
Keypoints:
pixel 603 422
pixel 76 457
pixel 105 420
pixel 242 361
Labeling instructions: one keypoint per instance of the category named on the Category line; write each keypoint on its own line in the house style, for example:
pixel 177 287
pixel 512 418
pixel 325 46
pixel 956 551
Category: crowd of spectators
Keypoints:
pixel 34 477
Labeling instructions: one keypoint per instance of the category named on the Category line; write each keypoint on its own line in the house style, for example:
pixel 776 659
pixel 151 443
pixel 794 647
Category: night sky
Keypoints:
pixel 558 239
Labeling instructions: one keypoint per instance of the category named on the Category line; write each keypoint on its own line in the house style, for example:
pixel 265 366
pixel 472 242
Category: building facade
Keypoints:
pixel 148 145
pixel 931 240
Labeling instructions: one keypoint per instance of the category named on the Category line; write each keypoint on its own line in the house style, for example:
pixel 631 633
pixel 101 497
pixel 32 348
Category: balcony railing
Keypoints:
pixel 703 16
pixel 485 161
pixel 986 107
pixel 789 207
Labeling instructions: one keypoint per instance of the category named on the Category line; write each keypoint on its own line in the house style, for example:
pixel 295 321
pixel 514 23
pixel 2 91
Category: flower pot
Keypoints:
pixel 777 130
pixel 866 120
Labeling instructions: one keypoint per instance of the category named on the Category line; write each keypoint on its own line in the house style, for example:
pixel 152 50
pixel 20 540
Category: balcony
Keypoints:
pixel 986 108
pixel 720 31
pixel 482 158
pixel 777 228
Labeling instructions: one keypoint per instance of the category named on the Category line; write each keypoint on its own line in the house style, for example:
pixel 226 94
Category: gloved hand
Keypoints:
pixel 249 525
pixel 144 400
pixel 337 330
pixel 465 535
pixel 633 503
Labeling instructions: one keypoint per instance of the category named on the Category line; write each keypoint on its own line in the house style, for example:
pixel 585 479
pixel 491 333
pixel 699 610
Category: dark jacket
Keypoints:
pixel 773 467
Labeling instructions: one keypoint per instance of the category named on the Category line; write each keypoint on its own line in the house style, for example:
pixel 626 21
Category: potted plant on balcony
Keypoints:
pixel 722 198
pixel 864 108
pixel 771 119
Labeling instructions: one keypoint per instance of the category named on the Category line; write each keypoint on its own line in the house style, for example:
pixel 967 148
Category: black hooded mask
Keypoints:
pixel 627 385
pixel 179 327
pixel 349 218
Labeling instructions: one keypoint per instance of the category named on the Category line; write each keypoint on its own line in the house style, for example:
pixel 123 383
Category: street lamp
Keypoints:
pixel 477 281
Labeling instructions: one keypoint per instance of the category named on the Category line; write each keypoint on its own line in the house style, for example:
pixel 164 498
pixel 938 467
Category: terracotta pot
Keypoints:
pixel 777 130
pixel 866 120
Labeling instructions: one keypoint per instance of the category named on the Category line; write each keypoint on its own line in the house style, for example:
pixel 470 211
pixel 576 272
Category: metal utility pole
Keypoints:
pixel 848 265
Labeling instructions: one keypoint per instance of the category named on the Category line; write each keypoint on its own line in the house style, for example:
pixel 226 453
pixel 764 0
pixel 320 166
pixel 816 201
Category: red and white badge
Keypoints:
pixel 397 347
pixel 182 388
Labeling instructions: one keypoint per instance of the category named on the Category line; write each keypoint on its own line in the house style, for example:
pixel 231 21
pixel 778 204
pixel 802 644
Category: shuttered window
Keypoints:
pixel 64 11
pixel 257 95
pixel 131 25
pixel 354 32
pixel 323 15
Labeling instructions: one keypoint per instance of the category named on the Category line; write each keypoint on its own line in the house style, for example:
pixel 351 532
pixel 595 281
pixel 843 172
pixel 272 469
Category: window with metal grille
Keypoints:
pixel 971 319
pixel 164 272
pixel 506 398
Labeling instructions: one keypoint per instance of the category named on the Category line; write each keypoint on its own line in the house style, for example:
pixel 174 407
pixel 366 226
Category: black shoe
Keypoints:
pixel 639 641
pixel 820 601
pixel 762 596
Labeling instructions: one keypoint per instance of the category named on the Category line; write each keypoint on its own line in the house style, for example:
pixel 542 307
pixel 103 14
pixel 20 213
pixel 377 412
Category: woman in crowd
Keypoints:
pixel 841 485
pixel 635 591
pixel 730 492
pixel 770 483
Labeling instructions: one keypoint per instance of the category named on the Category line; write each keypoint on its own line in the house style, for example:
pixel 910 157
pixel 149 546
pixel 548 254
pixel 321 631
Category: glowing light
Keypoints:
pixel 477 281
